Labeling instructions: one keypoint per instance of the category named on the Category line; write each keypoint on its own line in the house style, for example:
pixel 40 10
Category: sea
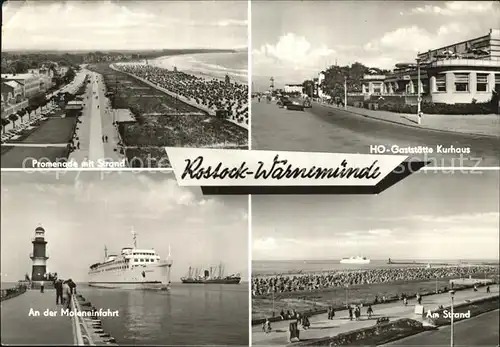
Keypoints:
pixel 268 268
pixel 185 315
pixel 208 65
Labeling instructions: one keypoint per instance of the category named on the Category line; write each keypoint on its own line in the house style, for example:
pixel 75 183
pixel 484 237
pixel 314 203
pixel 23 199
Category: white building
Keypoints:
pixel 31 83
pixel 293 88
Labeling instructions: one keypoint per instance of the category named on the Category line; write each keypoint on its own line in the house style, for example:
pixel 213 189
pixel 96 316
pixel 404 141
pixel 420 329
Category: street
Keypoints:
pixel 96 122
pixel 326 129
pixel 479 331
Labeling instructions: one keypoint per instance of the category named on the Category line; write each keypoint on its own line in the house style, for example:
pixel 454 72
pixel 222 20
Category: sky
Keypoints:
pixel 108 25
pixel 295 40
pixel 428 215
pixel 82 214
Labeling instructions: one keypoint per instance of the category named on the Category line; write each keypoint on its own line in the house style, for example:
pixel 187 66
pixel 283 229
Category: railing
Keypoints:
pixel 466 62
pixel 81 335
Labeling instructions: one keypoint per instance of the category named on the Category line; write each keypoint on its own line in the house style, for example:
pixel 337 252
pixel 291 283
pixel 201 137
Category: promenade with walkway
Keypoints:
pixel 480 124
pixel 96 122
pixel 21 329
pixel 321 326
pixel 332 129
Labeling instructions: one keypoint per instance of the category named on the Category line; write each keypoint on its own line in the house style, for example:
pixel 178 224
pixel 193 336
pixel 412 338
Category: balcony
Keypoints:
pixel 46 255
pixel 465 63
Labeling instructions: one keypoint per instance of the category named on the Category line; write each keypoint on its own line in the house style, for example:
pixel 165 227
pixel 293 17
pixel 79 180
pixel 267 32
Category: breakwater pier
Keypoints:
pixel 10 293
pixel 35 318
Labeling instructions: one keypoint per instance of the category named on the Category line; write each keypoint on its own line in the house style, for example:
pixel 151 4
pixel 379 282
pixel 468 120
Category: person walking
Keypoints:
pixel 42 286
pixel 59 292
pixel 67 293
pixel 369 311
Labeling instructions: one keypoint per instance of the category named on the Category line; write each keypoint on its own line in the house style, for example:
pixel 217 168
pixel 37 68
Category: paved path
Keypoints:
pixel 96 122
pixel 19 328
pixel 322 327
pixel 479 331
pixel 325 129
pixel 15 144
pixel 96 146
pixel 478 124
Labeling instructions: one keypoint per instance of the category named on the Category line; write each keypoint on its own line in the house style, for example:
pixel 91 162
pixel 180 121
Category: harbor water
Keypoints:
pixel 185 315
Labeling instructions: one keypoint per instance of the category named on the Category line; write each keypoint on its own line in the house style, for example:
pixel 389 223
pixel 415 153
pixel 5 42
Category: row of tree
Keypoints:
pixel 40 101
pixel 336 76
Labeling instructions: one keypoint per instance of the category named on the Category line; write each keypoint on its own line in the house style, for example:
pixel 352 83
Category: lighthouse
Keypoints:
pixel 39 255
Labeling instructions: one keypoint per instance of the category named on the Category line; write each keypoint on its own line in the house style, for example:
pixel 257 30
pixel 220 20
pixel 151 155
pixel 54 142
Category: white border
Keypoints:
pixel 126 169
pixel 249 231
pixel 460 168
pixel 250 270
pixel 249 69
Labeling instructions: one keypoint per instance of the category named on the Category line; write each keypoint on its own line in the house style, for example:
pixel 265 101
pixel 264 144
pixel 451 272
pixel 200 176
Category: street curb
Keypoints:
pixel 415 126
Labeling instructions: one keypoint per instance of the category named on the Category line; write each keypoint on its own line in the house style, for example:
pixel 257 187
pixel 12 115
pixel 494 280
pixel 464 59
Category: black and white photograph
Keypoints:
pixel 110 84
pixel 341 76
pixel 390 269
pixel 121 258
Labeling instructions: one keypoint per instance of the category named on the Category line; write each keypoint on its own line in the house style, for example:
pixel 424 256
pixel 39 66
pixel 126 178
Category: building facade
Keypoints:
pixel 463 72
pixel 30 82
pixel 12 92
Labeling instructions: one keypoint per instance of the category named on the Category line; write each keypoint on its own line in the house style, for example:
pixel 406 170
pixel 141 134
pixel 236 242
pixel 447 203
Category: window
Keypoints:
pixel 497 82
pixel 461 82
pixel 377 88
pixel 441 83
pixel 482 82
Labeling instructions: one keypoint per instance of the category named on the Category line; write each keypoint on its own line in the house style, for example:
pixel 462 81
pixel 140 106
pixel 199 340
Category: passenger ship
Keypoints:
pixel 133 268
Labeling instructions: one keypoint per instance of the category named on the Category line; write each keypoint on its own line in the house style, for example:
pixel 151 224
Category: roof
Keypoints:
pixel 21 76
pixel 13 84
pixel 124 115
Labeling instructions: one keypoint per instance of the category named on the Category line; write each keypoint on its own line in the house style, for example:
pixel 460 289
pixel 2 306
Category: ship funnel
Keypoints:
pixel 207 274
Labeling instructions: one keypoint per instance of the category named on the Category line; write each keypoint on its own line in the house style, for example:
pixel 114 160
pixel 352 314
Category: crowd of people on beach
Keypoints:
pixel 310 282
pixel 213 94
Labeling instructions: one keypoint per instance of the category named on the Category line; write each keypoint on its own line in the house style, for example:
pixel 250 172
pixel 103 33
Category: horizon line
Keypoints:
pixel 117 49
pixel 305 260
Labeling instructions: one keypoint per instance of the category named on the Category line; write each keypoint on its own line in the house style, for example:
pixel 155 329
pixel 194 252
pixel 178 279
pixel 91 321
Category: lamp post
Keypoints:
pixel 452 293
pixel 345 92
pixel 346 295
pixel 419 100
pixel 273 303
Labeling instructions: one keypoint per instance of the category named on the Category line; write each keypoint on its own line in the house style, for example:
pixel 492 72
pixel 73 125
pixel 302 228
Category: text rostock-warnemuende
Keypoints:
pixel 278 170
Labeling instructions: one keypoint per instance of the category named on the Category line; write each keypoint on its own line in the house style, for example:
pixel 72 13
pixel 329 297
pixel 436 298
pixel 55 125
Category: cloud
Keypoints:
pixel 101 210
pixel 402 44
pixel 457 8
pixel 109 25
pixel 291 50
